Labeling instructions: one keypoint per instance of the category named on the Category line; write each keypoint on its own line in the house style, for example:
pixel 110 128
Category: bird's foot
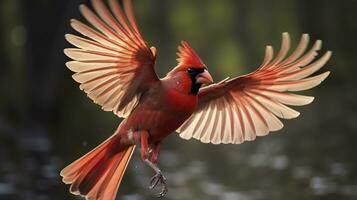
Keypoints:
pixel 155 180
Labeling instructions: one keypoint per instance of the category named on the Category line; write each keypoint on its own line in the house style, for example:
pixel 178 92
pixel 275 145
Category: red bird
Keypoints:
pixel 115 67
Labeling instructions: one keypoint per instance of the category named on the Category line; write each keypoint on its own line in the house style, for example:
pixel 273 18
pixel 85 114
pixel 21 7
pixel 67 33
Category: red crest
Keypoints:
pixel 188 57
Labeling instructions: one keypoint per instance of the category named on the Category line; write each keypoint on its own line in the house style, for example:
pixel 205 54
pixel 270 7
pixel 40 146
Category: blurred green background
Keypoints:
pixel 46 122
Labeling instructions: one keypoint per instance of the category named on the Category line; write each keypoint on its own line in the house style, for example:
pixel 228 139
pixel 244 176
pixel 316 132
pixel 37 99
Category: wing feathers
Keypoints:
pixel 300 49
pixel 226 131
pixel 197 132
pixel 274 124
pixel 86 44
pixel 93 34
pixel 107 61
pixel 76 66
pixel 285 46
pixel 129 12
pixel 299 85
pixel 105 14
pixel 242 125
pixel 285 98
pixel 119 14
pixel 210 125
pixel 308 70
pixel 242 108
pixel 269 53
pixel 85 55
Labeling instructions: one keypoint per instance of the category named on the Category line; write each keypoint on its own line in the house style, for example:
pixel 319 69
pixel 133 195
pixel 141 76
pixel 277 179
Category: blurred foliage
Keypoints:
pixel 46 122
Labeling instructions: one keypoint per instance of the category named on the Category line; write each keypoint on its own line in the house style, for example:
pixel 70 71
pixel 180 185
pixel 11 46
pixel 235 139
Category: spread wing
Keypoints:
pixel 239 109
pixel 112 61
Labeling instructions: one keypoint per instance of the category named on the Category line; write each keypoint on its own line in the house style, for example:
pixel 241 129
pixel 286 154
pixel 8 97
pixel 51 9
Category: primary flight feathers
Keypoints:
pixel 239 109
pixel 113 59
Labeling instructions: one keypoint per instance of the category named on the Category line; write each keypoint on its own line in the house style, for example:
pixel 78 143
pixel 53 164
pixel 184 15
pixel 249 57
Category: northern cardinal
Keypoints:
pixel 115 67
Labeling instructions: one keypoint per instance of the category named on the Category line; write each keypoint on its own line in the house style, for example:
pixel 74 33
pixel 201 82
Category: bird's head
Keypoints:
pixel 191 69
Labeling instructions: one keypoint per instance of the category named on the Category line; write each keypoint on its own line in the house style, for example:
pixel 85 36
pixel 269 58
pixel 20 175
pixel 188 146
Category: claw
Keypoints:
pixel 155 180
pixel 164 190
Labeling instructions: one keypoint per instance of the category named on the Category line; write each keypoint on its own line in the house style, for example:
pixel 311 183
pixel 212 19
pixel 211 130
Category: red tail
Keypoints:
pixel 97 174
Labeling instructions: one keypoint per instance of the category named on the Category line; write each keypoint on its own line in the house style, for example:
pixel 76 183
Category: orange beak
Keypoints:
pixel 204 78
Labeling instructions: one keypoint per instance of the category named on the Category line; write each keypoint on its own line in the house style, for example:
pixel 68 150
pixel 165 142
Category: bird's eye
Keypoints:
pixel 190 70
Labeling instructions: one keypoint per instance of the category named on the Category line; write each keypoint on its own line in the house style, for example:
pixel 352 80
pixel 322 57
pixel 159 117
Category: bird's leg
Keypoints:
pixel 155 152
pixel 158 177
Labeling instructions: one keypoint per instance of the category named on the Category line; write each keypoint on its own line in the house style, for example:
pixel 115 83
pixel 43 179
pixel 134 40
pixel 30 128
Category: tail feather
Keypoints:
pixel 97 175
pixel 110 185
pixel 72 171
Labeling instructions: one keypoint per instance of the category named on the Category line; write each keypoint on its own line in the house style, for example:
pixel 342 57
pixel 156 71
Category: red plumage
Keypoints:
pixel 188 57
pixel 115 67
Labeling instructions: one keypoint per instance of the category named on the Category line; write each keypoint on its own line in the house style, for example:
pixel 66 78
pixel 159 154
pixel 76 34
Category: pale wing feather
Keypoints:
pixel 227 130
pixel 108 60
pixel 86 44
pixel 300 49
pixel 308 70
pixel 252 104
pixel 260 124
pixel 197 131
pixel 76 66
pixel 206 137
pixel 286 98
pixel 285 46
